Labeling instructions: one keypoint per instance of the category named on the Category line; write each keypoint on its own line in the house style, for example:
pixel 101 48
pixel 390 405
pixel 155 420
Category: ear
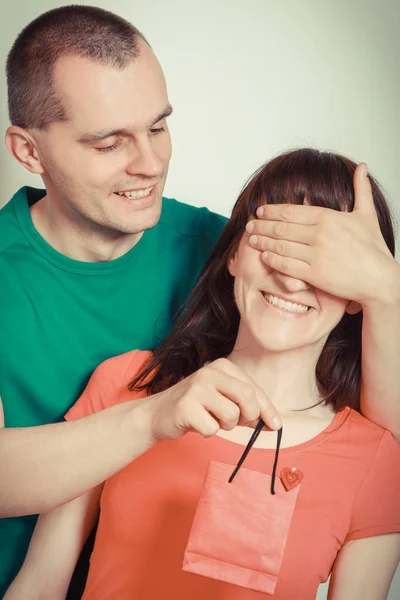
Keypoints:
pixel 232 264
pixel 353 308
pixel 22 146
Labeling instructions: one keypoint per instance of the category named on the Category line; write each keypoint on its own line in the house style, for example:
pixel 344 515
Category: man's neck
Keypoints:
pixel 86 244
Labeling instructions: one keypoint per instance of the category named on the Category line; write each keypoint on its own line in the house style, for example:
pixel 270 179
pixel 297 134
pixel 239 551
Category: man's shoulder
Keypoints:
pixel 192 221
pixel 10 228
pixel 10 231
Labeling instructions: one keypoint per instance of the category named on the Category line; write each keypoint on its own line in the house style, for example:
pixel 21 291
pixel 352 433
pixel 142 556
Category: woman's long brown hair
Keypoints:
pixel 207 326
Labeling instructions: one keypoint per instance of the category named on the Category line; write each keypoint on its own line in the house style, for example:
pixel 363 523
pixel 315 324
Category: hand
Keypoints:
pixel 342 253
pixel 218 396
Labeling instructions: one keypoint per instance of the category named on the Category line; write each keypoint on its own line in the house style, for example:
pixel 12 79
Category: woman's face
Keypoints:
pixel 279 313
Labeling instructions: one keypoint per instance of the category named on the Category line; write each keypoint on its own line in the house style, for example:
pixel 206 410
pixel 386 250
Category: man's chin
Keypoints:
pixel 141 223
pixel 135 216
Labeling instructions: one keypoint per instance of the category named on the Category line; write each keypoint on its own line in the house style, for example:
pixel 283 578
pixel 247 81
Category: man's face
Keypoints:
pixel 106 165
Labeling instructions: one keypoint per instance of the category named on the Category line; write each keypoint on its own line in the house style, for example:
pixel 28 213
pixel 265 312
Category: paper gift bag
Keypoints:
pixel 240 529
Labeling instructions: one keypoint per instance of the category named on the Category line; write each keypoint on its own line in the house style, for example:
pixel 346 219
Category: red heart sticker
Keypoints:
pixel 290 477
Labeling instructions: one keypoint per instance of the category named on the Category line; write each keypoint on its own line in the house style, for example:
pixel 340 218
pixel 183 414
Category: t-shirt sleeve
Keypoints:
pixel 108 384
pixel 210 226
pixel 376 509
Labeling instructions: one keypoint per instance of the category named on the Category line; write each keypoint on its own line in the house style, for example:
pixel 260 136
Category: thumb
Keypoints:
pixel 363 200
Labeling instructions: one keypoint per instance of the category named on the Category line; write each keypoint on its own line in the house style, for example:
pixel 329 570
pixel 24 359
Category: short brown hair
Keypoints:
pixel 84 31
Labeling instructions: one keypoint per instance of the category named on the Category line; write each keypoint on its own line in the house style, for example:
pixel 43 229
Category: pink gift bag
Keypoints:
pixel 240 529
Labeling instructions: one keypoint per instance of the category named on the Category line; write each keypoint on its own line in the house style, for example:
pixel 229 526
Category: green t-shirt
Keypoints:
pixel 60 317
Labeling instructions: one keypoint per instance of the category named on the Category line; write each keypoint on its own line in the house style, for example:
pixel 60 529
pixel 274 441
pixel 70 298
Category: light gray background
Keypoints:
pixel 251 78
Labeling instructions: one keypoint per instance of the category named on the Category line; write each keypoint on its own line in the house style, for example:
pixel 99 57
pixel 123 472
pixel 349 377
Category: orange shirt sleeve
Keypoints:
pixel 376 509
pixel 108 384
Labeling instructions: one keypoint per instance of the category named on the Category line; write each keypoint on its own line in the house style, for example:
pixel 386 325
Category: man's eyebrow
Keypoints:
pixel 166 113
pixel 97 136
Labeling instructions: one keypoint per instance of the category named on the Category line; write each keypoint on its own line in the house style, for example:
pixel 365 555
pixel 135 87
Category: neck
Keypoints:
pixel 288 378
pixel 77 239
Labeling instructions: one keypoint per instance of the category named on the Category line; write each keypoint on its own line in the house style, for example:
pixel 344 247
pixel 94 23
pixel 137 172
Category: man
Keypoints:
pixel 85 272
pixel 90 269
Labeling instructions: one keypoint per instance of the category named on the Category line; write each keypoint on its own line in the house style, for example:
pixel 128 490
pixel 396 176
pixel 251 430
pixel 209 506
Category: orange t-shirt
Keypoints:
pixel 350 490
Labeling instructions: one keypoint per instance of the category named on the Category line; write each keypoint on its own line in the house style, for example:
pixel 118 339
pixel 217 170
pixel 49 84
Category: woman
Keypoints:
pixel 303 347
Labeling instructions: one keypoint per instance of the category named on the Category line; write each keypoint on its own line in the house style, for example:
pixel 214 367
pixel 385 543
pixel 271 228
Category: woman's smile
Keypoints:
pixel 285 307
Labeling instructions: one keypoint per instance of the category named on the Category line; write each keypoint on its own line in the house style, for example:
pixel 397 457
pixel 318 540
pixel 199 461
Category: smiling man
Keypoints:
pixel 104 182
pixel 94 265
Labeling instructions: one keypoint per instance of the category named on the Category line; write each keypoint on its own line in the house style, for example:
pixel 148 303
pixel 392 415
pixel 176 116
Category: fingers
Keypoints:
pixel 363 199
pixel 207 411
pixel 235 399
pixel 201 422
pixel 290 213
pixel 251 399
pixel 219 395
pixel 224 411
pixel 282 247
pixel 292 232
pixel 297 269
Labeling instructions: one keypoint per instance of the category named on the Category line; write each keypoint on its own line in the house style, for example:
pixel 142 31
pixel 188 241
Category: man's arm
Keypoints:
pixel 55 547
pixel 380 390
pixel 46 466
pixel 364 568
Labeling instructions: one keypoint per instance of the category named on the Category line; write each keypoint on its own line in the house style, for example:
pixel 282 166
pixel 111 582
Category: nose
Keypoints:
pixel 291 284
pixel 145 161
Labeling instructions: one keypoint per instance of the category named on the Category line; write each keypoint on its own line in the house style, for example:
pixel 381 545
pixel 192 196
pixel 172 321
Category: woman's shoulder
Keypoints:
pixel 375 478
pixel 124 366
pixel 109 384
pixel 362 426
pixel 364 437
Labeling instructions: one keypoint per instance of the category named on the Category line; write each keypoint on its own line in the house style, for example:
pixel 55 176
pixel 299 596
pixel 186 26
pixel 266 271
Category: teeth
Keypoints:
pixel 136 194
pixel 285 305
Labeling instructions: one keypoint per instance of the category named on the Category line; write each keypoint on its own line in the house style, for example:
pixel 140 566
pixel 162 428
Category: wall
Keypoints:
pixel 249 79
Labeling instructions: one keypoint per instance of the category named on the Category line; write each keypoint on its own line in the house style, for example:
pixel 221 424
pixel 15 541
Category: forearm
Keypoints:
pixel 55 547
pixel 380 387
pixel 43 467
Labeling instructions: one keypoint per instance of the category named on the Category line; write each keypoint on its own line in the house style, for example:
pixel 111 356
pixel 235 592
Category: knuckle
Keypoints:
pixel 287 211
pixel 201 376
pixel 283 264
pixel 232 413
pixel 221 362
pixel 279 229
pixel 252 412
pixel 196 376
pixel 269 259
pixel 262 243
pixel 215 365
pixel 211 430
pixel 281 248
pixel 193 390
pixel 248 394
pixel 267 407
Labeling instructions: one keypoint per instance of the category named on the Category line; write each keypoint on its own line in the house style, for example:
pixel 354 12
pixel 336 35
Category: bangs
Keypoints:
pixel 317 178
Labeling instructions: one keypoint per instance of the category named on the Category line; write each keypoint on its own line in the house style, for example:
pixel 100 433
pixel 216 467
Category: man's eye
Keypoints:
pixel 109 148
pixel 157 130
